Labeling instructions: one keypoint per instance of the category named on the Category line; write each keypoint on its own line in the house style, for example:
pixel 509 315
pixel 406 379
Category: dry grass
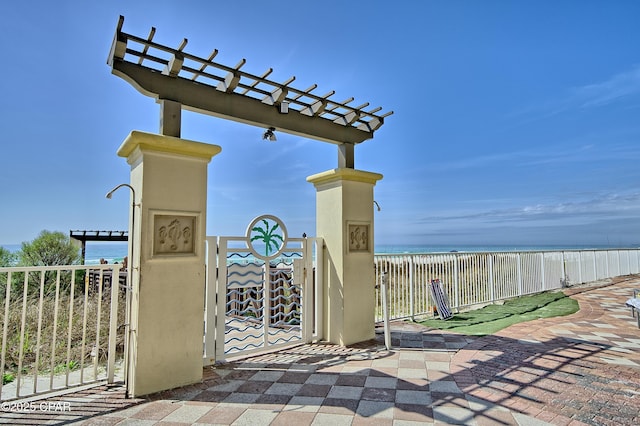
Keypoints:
pixel 52 335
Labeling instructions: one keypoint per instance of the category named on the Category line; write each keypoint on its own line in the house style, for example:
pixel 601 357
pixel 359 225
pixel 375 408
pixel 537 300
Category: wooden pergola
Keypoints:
pixel 84 236
pixel 179 80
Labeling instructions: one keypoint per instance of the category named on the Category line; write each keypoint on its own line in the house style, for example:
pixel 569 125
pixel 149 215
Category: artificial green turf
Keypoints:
pixel 492 318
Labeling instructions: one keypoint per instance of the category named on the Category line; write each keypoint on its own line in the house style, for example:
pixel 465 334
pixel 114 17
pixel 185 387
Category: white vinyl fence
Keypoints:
pixel 59 327
pixel 479 278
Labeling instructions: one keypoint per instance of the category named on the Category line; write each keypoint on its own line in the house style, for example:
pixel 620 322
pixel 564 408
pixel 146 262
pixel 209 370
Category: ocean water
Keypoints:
pixel 111 252
pixel 442 248
pixel 115 252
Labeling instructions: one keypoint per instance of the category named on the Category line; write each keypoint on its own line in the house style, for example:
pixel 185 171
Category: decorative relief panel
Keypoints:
pixel 173 234
pixel 358 237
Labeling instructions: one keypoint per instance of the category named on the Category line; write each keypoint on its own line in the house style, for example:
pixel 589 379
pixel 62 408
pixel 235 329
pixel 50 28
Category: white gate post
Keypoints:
pixel 211 308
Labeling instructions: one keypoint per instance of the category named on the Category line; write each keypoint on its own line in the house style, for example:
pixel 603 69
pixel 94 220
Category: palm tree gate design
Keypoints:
pixel 265 288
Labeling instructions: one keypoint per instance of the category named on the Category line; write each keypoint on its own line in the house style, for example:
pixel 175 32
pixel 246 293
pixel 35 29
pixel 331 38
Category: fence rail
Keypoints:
pixel 59 327
pixel 480 278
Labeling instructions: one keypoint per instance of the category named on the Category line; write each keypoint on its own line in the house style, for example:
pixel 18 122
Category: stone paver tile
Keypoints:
pixel 407 373
pixel 329 419
pixel 294 377
pixel 339 406
pixel 303 368
pixel 271 401
pixel 444 386
pixel 618 361
pixel 383 372
pixel 414 413
pixel 127 412
pixel 495 417
pixel 345 392
pixel 314 390
pixel 241 398
pixel 438 366
pixel 411 355
pixel 410 383
pixel 435 375
pixel 251 386
pixel 412 363
pixel 379 394
pixel 290 418
pixel 453 415
pixel 137 422
pixel 211 396
pixel 380 363
pixel 355 370
pixel 267 376
pixel 156 410
pixel 378 421
pixel 187 413
pixel 222 415
pixel 524 420
pixel 252 417
pixel 375 409
pixel 107 421
pixel 229 386
pixel 381 382
pixel 304 403
pixel 322 379
pixel 413 397
pixel 351 380
pixel 284 388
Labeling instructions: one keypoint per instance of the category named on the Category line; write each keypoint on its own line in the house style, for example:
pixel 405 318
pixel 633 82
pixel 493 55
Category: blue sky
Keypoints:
pixel 516 123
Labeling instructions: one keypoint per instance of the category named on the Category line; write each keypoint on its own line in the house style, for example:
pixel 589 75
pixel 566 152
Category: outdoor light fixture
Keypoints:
pixel 133 215
pixel 377 205
pixel 110 193
pixel 129 270
pixel 269 135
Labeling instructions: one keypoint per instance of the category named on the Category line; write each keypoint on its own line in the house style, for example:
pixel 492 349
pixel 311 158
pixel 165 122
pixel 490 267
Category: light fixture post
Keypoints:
pixel 130 268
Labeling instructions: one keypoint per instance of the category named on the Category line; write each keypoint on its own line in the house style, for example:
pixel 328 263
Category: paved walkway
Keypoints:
pixel 579 369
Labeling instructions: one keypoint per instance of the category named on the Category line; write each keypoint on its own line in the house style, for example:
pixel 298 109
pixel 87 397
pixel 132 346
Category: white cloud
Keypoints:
pixel 600 94
pixel 619 87
pixel 585 211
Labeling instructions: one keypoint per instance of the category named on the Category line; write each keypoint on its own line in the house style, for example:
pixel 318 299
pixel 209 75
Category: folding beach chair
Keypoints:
pixel 441 299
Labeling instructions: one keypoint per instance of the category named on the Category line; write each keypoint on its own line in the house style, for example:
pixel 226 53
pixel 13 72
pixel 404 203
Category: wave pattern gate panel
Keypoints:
pixel 261 291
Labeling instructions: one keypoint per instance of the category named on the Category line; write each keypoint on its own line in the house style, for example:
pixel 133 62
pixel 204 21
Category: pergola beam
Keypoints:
pixel 179 80
pixel 233 106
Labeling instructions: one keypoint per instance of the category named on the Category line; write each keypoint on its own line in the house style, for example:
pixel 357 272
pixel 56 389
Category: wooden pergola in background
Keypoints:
pixel 84 236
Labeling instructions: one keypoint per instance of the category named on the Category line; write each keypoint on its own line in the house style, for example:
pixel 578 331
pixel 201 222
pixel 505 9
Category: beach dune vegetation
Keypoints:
pixel 49 249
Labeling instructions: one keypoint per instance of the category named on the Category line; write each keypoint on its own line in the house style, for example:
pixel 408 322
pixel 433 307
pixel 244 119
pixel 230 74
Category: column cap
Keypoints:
pixel 341 174
pixel 169 144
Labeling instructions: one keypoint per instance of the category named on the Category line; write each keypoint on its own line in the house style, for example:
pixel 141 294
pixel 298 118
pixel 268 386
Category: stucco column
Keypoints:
pixel 169 176
pixel 344 218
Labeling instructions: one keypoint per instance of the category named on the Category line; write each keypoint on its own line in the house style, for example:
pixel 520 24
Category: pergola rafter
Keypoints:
pixel 179 80
pixel 84 236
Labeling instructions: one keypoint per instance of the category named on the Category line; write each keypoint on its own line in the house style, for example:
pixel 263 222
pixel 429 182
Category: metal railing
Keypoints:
pixel 59 327
pixel 480 278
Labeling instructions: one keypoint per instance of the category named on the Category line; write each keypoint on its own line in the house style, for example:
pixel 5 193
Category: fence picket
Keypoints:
pixel 478 278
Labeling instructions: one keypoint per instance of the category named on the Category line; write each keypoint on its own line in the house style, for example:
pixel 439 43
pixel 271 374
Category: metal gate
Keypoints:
pixel 261 291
